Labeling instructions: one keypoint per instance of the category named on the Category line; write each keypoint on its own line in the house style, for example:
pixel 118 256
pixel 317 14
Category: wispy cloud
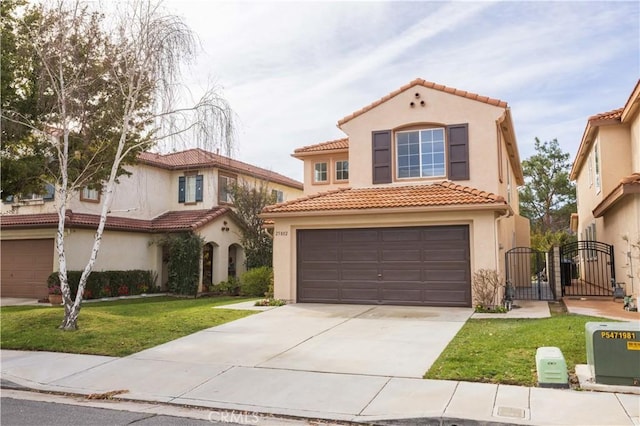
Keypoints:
pixel 291 70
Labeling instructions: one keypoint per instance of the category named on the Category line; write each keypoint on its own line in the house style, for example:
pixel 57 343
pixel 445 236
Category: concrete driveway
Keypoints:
pixel 388 341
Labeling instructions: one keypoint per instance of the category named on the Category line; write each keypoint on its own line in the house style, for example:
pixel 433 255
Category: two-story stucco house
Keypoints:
pixel 182 191
pixel 419 194
pixel 607 175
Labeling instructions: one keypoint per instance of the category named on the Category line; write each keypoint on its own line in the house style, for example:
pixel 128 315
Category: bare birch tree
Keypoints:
pixel 110 89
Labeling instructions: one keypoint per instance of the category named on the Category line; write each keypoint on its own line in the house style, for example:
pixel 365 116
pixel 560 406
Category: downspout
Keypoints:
pixel 506 214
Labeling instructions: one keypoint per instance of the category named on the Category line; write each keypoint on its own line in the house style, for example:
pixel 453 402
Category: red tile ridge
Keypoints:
pixel 473 191
pixel 428 85
pixel 342 143
pixel 305 198
pixel 198 157
pixel 615 114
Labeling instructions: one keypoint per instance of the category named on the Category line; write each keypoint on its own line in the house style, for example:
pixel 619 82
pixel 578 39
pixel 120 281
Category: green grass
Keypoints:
pixel 116 328
pixel 504 350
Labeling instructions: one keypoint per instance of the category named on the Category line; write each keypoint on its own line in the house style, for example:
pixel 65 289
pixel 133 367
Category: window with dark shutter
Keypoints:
pixel 181 187
pixel 199 180
pixel 458 142
pixel 381 156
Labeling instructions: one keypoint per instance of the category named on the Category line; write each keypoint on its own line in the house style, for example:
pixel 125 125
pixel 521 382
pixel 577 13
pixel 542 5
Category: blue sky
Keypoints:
pixel 291 70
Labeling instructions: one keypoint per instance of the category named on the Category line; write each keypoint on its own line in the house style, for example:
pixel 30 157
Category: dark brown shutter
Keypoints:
pixel 458 142
pixel 381 159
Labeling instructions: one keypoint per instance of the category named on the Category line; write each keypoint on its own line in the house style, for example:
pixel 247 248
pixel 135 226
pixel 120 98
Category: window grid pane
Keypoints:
pixel 190 189
pixel 421 153
pixel 320 174
pixel 342 170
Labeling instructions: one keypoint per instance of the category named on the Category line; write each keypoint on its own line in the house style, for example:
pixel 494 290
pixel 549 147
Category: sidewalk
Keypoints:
pixel 210 380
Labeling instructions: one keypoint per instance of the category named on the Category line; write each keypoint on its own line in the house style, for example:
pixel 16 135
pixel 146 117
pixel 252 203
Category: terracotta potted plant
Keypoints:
pixel 55 294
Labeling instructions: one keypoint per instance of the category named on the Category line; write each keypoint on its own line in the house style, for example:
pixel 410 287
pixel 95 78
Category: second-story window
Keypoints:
pixel 190 188
pixel 320 173
pixel 342 170
pixel 278 196
pixel 225 188
pixel 89 194
pixel 596 166
pixel 420 153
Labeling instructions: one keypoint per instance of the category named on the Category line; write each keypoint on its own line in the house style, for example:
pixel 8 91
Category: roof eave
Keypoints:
pixel 632 105
pixel 512 146
pixel 302 155
pixel 393 210
pixel 614 196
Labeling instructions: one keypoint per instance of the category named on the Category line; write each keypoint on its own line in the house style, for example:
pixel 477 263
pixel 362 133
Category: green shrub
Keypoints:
pixel 255 282
pixel 231 287
pixel 184 262
pixel 109 283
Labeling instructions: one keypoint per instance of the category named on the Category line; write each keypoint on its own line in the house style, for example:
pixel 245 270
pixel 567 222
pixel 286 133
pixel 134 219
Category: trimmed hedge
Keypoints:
pixel 255 282
pixel 109 283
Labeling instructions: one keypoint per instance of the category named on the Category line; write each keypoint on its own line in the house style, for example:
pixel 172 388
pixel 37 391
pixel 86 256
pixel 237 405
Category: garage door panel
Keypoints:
pixel 321 255
pixel 321 274
pixel 409 266
pixel 412 275
pixel 400 234
pixel 350 254
pixel 359 235
pixel 449 234
pixel 359 274
pixel 26 265
pixel 447 254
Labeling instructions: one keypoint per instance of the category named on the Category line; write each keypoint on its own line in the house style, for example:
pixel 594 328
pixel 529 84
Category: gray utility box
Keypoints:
pixel 613 352
pixel 551 367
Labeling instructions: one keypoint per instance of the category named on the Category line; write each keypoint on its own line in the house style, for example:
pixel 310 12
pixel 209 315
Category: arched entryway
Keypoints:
pixel 235 261
pixel 207 266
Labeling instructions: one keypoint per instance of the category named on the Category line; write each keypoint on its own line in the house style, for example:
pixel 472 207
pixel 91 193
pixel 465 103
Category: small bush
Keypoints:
pixel 108 283
pixel 231 287
pixel 485 286
pixel 270 302
pixel 255 282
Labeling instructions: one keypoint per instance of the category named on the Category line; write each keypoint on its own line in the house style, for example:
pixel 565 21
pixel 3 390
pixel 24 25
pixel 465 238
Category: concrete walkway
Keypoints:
pixel 346 363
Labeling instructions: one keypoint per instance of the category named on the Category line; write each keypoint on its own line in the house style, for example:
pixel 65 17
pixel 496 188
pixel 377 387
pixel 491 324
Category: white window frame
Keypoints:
pixel 91 195
pixel 597 167
pixel 420 153
pixel 225 196
pixel 277 195
pixel 321 176
pixel 341 169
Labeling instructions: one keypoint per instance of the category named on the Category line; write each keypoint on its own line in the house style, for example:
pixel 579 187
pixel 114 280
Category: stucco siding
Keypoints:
pixel 440 109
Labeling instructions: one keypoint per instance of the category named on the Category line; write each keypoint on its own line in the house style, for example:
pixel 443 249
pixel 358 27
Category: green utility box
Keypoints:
pixel 551 367
pixel 613 352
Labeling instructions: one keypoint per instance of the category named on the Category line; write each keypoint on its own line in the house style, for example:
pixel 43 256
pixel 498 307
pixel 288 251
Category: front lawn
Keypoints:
pixel 116 328
pixel 504 350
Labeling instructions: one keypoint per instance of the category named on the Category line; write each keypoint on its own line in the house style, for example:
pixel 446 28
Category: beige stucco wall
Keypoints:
pixel 482 230
pixel 441 109
pixel 621 228
pixel 615 155
pixel 139 252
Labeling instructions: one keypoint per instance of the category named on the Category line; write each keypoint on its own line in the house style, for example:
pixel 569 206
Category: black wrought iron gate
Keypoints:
pixel 527 273
pixel 587 269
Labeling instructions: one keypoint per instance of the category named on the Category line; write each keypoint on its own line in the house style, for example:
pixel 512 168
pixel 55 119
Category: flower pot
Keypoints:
pixel 55 299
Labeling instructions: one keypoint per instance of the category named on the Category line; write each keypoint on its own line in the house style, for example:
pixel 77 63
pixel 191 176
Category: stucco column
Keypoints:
pixel 556 272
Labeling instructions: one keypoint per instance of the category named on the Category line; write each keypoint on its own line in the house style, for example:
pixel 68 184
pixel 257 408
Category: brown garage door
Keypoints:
pixel 26 265
pixel 398 266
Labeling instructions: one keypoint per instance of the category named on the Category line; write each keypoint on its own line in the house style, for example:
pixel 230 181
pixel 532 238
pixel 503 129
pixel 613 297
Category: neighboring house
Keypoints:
pixel 419 195
pixel 607 175
pixel 183 191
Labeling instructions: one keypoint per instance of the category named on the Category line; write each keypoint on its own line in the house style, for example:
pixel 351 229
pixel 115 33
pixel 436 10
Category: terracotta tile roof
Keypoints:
pixel 173 221
pixel 633 179
pixel 188 219
pixel 324 146
pixel 628 185
pixel 199 158
pixel 609 115
pixel 437 194
pixel 429 85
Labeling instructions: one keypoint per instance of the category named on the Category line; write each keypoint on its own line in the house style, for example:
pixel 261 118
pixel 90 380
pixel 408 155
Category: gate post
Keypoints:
pixel 557 281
